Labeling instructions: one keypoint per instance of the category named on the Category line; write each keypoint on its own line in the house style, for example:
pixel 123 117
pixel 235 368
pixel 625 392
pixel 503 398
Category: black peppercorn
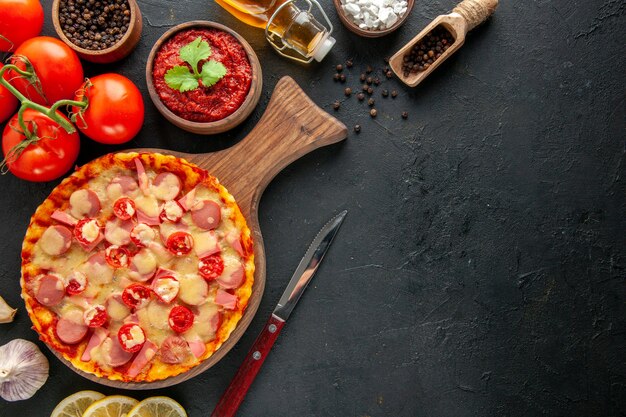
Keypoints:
pixel 349 63
pixel 370 102
pixel 339 68
pixel 369 80
pixel 357 128
pixel 385 93
pixel 89 24
pixel 336 105
pixel 336 77
pixel 373 113
pixel 362 78
pixel 405 115
pixel 370 91
pixel 360 96
pixel 348 91
pixel 368 69
pixel 394 94
pixel 342 78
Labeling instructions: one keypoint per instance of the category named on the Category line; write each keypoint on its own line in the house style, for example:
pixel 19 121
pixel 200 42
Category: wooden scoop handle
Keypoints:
pixel 475 12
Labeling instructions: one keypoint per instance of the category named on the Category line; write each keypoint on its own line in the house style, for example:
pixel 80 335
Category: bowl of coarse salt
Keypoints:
pixel 373 18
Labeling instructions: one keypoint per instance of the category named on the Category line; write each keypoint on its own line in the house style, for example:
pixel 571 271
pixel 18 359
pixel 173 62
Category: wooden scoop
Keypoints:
pixel 291 127
pixel 464 17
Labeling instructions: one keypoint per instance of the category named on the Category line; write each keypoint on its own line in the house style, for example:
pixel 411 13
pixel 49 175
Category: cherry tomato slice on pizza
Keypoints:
pixel 95 316
pixel 211 267
pixel 180 319
pixel 76 283
pixel 136 295
pixel 124 208
pixel 117 256
pixel 180 243
pixel 87 231
pixel 131 337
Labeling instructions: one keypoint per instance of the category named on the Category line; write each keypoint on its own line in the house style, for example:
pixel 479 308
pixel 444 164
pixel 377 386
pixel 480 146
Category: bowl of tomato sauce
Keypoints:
pixel 203 77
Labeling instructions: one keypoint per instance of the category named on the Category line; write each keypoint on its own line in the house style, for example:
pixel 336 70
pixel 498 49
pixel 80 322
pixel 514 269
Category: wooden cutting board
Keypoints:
pixel 291 127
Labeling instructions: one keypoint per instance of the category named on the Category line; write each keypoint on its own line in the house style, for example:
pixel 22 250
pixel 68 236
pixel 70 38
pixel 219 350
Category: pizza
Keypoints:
pixel 137 267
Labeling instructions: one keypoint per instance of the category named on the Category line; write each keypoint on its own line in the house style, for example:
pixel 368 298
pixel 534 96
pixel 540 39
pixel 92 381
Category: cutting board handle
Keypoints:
pixel 291 127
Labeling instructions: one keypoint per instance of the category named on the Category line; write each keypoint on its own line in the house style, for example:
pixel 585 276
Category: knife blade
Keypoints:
pixel 233 396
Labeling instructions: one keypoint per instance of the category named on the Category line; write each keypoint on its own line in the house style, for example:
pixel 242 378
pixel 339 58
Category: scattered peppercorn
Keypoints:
pixel 370 102
pixel 336 77
pixel 405 115
pixel 369 80
pixel 376 81
pixel 339 67
pixel 370 91
pixel 336 105
pixel 349 63
pixel 362 78
pixel 386 59
pixel 348 91
pixel 365 87
pixel 360 96
pixel 368 69
pixel 373 113
pixel 94 25
pixel 357 128
pixel 427 50
pixel 342 78
pixel 394 94
pixel 389 74
pixel 385 93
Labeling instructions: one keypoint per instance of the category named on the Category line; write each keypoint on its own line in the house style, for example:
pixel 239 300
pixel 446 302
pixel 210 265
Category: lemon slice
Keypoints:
pixel 112 406
pixel 76 404
pixel 157 407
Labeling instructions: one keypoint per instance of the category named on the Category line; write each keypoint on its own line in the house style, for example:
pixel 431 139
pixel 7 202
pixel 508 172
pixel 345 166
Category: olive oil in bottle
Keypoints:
pixel 293 32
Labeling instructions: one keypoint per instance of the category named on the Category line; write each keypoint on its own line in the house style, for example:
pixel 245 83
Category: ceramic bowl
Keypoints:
pixel 353 27
pixel 116 52
pixel 230 121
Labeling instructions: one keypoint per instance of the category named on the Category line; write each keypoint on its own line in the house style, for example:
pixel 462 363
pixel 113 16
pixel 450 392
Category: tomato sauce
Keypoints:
pixel 205 104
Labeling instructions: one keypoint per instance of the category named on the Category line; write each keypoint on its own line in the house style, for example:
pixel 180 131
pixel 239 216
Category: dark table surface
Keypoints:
pixel 481 268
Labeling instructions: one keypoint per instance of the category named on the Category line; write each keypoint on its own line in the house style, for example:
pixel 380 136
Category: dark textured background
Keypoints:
pixel 481 269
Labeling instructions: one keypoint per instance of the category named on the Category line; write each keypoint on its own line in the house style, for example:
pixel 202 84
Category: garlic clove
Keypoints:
pixel 6 312
pixel 23 370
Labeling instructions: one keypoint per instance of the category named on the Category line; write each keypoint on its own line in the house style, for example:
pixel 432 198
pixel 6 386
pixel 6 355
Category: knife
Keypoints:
pixel 236 391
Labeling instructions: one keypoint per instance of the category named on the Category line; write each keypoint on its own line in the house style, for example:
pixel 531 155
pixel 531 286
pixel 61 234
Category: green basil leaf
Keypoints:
pixel 181 79
pixel 194 52
pixel 212 72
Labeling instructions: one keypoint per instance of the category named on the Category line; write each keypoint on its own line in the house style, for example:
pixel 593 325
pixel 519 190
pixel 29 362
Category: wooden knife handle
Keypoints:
pixel 236 391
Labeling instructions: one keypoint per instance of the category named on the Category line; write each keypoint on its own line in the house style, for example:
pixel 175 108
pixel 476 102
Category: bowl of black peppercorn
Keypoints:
pixel 100 31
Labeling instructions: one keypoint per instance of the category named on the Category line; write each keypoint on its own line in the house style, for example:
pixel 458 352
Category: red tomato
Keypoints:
pixel 115 111
pixel 95 316
pixel 48 158
pixel 124 208
pixel 58 68
pixel 211 267
pixel 135 295
pixel 79 231
pixel 8 102
pixel 180 319
pixel 180 243
pixel 21 20
pixel 131 337
pixel 117 257
pixel 77 282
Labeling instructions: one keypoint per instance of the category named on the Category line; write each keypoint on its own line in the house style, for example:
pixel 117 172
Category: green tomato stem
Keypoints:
pixel 51 112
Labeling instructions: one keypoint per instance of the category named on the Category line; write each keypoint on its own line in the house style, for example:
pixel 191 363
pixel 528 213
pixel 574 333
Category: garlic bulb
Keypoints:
pixel 23 370
pixel 6 312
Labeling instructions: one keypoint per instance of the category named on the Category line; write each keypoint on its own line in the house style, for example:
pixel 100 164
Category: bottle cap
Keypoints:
pixel 323 48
